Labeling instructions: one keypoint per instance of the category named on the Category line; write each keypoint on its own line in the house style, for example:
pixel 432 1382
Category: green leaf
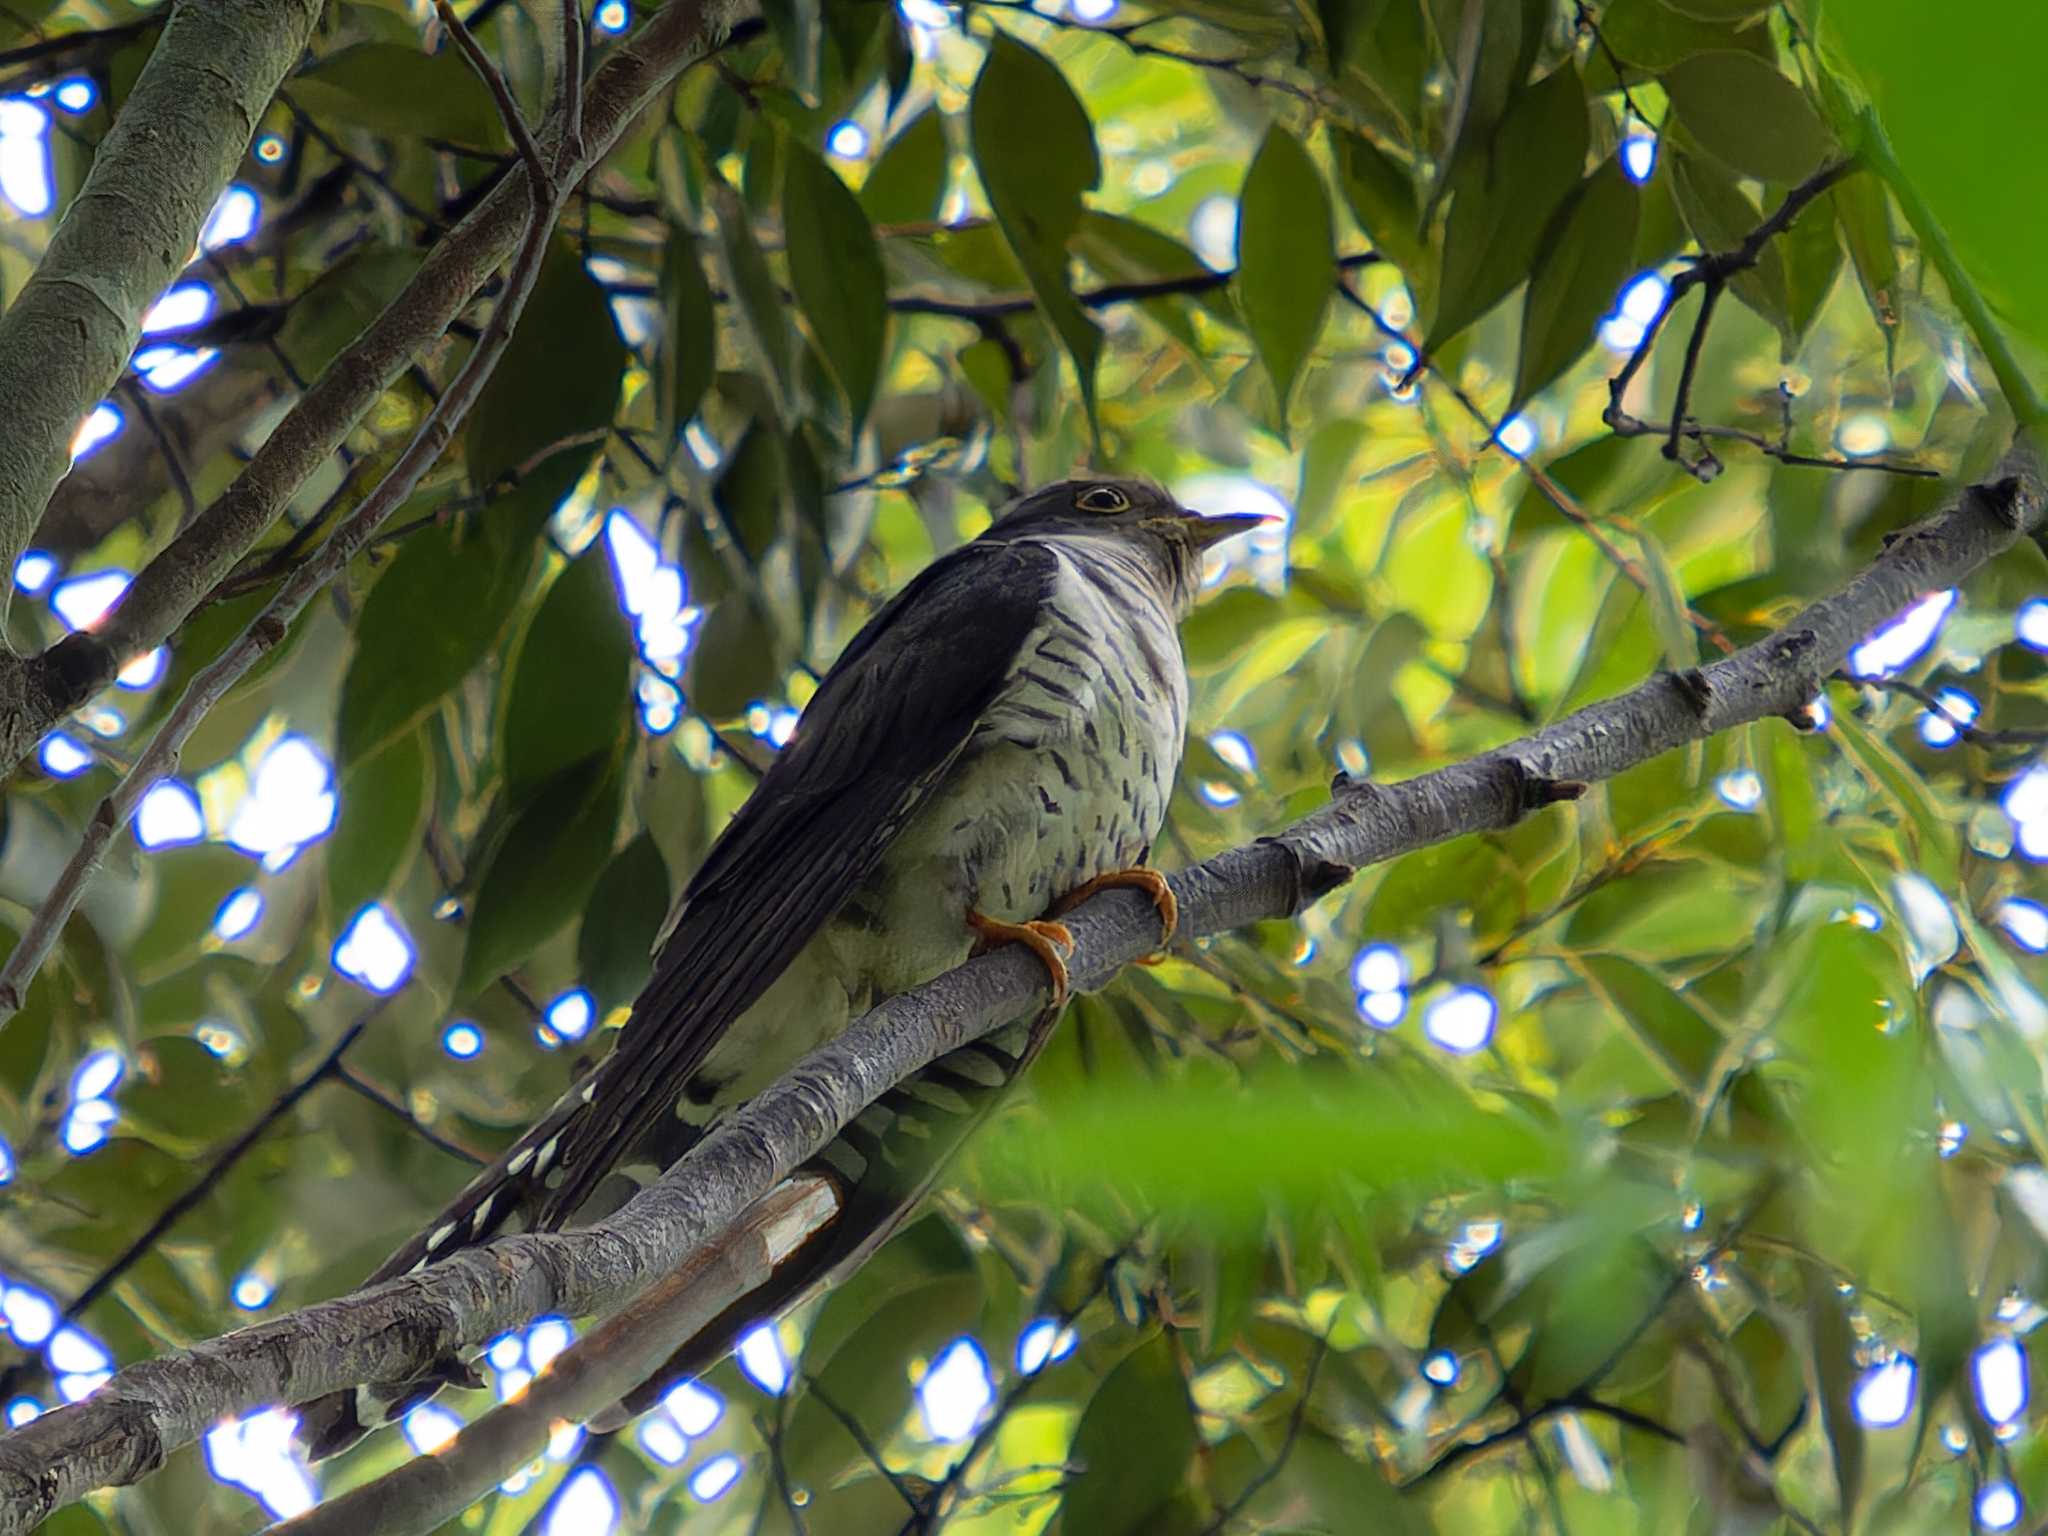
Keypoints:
pixel 798 28
pixel 1747 115
pixel 1935 829
pixel 1286 261
pixel 1721 215
pixel 864 1375
pixel 1132 1446
pixel 1835 1372
pixel 732 662
pixel 1382 198
pixel 570 689
pixel 689 357
pixel 835 266
pixel 397 90
pixel 1674 1033
pixel 1586 253
pixel 384 799
pixel 1668 608
pixel 763 315
pixel 1035 149
pixel 184 1093
pixel 1813 258
pixel 342 302
pixel 442 605
pixel 1865 215
pixel 1503 194
pixel 542 870
pixel 1654 35
pixel 908 182
pixel 1721 10
pixel 627 908
pixel 559 377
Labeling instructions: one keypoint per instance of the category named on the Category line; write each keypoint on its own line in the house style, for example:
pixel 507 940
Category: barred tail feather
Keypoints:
pixel 502 1198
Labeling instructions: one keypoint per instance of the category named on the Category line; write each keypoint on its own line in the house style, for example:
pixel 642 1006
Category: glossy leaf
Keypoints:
pixel 1128 1475
pixel 1586 254
pixel 1721 216
pixel 1035 149
pixel 542 871
pixel 763 318
pixel 1655 34
pixel 1747 115
pixel 568 691
pixel 444 602
pixel 384 800
pixel 908 182
pixel 689 359
pixel 835 266
pixel 1382 197
pixel 1864 214
pixel 559 378
pixel 627 908
pixel 1285 260
pixel 1503 195
pixel 396 89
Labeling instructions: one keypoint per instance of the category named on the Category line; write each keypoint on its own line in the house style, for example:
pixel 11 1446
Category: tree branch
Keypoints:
pixel 394 1331
pixel 588 1377
pixel 156 176
pixel 35 694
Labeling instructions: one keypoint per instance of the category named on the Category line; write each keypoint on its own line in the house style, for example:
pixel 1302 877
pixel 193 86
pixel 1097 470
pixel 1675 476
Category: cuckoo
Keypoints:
pixel 996 744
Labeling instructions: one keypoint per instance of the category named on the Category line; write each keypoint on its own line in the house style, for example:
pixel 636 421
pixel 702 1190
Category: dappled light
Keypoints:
pixel 540 648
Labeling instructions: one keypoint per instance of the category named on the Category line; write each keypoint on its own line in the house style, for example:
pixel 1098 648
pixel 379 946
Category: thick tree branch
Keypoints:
pixel 35 694
pixel 393 1331
pixel 589 1377
pixel 182 131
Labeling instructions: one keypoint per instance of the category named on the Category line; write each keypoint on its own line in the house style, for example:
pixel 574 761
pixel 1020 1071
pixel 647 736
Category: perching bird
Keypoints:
pixel 997 743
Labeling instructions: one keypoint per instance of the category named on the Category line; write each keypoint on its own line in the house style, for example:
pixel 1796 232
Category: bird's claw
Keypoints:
pixel 1150 881
pixel 1050 941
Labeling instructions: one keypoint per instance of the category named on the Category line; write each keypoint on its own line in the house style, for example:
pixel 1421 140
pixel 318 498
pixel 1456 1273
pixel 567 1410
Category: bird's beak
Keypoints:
pixel 1205 531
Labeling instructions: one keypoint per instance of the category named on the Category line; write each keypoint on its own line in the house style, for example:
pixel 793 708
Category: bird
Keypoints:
pixel 996 744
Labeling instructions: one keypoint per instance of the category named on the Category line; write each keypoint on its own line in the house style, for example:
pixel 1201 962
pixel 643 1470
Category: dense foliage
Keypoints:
pixel 1670 1161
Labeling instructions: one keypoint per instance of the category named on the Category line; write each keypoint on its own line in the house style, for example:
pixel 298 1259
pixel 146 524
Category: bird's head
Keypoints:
pixel 1136 516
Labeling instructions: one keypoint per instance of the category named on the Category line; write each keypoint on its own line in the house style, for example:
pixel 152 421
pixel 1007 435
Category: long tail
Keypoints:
pixel 504 1197
pixel 886 1162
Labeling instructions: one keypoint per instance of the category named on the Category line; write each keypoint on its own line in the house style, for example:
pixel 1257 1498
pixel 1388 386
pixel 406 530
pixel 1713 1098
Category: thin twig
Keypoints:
pixel 1964 727
pixel 1712 271
pixel 1566 504
pixel 501 93
pixel 1273 1468
pixel 384 1101
pixel 174 464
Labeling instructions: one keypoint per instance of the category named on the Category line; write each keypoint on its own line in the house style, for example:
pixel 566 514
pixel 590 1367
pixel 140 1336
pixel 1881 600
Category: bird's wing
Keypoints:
pixel 887 722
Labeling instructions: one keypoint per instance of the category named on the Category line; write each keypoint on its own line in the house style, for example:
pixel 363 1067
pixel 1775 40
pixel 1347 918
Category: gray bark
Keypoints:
pixel 131 229
pixel 393 1331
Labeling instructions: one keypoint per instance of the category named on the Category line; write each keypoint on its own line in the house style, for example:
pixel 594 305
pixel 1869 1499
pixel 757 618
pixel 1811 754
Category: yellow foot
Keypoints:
pixel 1049 941
pixel 1150 881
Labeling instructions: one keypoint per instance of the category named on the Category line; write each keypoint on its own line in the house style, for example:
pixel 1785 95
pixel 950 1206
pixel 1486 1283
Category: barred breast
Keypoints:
pixel 1067 777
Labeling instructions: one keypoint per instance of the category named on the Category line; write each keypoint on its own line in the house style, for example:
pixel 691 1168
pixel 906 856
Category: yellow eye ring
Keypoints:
pixel 1103 498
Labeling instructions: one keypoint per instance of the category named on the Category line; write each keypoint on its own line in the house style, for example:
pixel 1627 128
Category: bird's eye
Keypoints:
pixel 1102 498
